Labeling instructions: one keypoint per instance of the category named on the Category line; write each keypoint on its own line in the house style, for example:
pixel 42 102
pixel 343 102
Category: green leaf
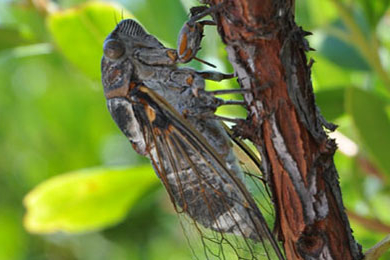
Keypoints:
pixel 374 10
pixel 12 236
pixel 331 102
pixel 321 70
pixel 314 14
pixel 80 32
pixel 342 53
pixel 368 113
pixel 85 200
pixel 161 18
pixel 11 38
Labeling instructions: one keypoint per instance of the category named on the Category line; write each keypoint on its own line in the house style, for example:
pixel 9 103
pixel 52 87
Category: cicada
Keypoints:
pixel 168 117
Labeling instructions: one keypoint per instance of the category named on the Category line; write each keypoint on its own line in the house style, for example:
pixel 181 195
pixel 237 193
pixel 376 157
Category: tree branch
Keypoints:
pixel 267 51
pixel 369 223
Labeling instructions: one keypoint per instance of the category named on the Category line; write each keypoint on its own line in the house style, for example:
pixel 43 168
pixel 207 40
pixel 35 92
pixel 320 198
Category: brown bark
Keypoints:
pixel 267 51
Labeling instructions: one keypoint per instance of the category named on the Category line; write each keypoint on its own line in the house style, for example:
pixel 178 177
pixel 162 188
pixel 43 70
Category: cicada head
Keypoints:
pixel 133 35
pixel 116 67
pixel 116 73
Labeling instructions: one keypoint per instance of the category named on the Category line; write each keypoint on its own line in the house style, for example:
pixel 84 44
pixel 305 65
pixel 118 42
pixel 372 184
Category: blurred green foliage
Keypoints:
pixel 79 201
pixel 53 120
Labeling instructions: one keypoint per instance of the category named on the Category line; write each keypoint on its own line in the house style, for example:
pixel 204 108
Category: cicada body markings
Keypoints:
pixel 146 95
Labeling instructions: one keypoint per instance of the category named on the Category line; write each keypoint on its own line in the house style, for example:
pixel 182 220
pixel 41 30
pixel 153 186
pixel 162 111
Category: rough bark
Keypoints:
pixel 267 50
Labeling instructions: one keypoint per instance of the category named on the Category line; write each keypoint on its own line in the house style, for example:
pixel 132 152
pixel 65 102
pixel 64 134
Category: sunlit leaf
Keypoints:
pixel 80 32
pixel 85 200
pixel 372 123
pixel 327 74
pixel 313 14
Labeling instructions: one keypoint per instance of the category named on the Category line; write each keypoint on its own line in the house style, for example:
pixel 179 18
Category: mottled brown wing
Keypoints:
pixel 215 201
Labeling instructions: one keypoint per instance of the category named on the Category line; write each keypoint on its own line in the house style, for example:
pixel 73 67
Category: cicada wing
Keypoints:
pixel 256 182
pixel 213 199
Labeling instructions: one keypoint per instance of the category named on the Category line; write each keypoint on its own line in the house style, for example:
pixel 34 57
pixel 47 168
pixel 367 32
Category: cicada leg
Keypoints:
pixel 217 76
pixel 214 75
pixel 191 33
pixel 229 91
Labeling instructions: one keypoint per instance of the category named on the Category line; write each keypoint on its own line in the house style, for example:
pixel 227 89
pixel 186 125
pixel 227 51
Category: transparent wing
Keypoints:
pixel 254 179
pixel 208 196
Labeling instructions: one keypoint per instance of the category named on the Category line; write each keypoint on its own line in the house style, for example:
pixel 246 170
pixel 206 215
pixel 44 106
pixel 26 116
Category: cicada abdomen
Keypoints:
pixel 167 116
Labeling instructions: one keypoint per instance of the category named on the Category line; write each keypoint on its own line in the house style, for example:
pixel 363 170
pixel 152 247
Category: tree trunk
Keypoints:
pixel 267 51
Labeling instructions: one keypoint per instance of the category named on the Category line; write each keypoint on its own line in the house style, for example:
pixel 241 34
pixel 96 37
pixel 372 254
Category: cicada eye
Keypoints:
pixel 113 49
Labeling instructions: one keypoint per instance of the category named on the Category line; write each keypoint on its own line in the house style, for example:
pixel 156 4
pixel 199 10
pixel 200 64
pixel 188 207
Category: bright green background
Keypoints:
pixel 53 120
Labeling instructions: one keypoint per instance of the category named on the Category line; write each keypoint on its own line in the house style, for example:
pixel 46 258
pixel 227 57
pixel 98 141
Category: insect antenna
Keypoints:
pixel 229 91
pixel 233 102
pixel 205 62
pixel 115 20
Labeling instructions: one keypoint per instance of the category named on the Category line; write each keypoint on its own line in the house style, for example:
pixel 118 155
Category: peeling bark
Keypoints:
pixel 267 50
